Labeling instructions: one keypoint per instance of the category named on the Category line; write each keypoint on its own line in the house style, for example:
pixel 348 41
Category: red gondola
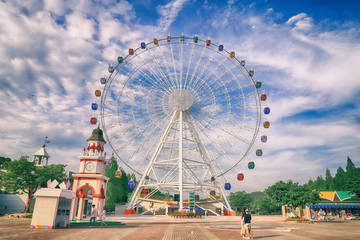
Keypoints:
pixel 93 120
pixel 131 51
pixel 208 42
pixel 240 177
pixel 145 191
pixel 263 97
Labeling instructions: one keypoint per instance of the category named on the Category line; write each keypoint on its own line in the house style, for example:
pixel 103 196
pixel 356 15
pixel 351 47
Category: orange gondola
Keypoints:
pixel 118 174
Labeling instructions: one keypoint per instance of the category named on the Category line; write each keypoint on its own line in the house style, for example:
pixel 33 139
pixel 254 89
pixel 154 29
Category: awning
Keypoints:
pixel 334 206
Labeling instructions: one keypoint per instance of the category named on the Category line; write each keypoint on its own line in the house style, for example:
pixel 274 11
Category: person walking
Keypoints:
pixel 102 217
pixel 93 215
pixel 247 226
pixel 242 227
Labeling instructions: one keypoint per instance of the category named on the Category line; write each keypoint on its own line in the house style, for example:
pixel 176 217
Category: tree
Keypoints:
pixel 329 185
pixel 350 166
pixel 240 199
pixel 3 161
pixel 292 194
pixel 117 190
pixel 22 175
pixel 266 205
pixel 339 180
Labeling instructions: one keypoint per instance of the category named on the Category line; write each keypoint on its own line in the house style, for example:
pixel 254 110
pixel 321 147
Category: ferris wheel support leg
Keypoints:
pixel 141 184
pixel 181 161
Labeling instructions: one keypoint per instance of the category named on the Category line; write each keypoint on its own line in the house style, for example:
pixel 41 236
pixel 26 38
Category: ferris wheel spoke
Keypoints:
pixel 181 51
pixel 159 80
pixel 226 72
pixel 197 65
pixel 168 82
pixel 212 72
pixel 177 84
pixel 217 147
pixel 188 68
pixel 215 126
pixel 166 66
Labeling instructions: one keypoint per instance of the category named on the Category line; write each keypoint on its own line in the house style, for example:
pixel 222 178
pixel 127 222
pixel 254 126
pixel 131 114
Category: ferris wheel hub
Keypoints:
pixel 181 99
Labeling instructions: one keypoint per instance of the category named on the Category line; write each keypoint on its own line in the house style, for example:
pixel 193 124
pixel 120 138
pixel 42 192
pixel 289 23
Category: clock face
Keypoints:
pixel 89 166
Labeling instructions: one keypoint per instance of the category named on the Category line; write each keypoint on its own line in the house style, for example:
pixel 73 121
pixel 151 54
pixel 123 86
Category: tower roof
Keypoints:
pixel 97 134
pixel 42 152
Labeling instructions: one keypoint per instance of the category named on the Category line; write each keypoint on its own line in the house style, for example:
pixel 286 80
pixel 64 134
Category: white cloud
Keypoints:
pixel 301 22
pixel 169 13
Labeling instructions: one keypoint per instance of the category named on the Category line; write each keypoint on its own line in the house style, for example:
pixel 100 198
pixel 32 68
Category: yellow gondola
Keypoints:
pixel 118 174
pixel 213 193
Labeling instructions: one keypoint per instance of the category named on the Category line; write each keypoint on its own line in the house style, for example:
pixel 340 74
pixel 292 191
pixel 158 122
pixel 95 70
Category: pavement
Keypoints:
pixel 166 228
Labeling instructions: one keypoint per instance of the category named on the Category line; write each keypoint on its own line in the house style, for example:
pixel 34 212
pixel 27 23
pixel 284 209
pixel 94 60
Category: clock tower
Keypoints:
pixel 91 179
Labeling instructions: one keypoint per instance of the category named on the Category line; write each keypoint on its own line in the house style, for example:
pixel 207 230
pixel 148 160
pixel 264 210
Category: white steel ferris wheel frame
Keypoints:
pixel 181 120
pixel 204 183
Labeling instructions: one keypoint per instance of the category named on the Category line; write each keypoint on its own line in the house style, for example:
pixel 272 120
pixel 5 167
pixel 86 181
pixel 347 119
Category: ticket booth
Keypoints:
pixel 52 208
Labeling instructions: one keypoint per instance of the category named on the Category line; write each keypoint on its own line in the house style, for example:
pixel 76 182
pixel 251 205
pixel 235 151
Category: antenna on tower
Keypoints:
pixel 46 140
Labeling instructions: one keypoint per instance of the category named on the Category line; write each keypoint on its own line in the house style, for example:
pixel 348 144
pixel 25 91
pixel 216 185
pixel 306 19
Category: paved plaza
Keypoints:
pixel 165 228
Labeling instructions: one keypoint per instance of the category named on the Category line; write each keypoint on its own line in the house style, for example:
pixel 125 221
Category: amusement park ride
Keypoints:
pixel 182 114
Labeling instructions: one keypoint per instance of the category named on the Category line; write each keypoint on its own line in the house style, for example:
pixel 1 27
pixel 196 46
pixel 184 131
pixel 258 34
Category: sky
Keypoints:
pixel 305 53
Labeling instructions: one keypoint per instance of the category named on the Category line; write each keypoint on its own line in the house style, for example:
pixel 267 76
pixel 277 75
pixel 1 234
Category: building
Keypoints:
pixel 334 205
pixel 41 157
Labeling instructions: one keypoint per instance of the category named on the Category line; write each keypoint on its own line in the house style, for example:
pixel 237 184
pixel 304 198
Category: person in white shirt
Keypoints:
pixel 102 217
pixel 93 215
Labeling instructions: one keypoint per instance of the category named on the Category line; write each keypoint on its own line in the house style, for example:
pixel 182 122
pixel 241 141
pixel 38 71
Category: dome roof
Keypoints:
pixel 97 134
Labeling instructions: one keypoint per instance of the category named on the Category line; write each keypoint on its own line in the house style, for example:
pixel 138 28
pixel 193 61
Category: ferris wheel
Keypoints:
pixel 180 113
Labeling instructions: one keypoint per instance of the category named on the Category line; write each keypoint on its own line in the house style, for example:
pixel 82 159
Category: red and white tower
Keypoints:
pixel 91 175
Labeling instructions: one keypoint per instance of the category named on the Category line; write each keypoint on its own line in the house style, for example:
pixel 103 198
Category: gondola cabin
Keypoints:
pixel 102 80
pixel 212 179
pixel 145 191
pixel 221 47
pixel 97 93
pixel 131 51
pixel 131 184
pixel 267 110
pixel 251 165
pixel 156 41
pixel 264 138
pixel 93 120
pixel 208 42
pixel 232 54
pixel 120 59
pixel 251 72
pixel 213 193
pixel 118 174
pixel 258 84
pixel 263 97
pixel 227 186
pixel 182 37
pixel 242 62
pixel 94 106
pixel 259 152
pixel 196 39
pixel 143 45
pixel 168 38
pixel 266 124
pixel 111 69
pixel 240 176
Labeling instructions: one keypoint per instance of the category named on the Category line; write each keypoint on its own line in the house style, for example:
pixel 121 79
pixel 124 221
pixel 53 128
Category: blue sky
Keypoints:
pixel 306 54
